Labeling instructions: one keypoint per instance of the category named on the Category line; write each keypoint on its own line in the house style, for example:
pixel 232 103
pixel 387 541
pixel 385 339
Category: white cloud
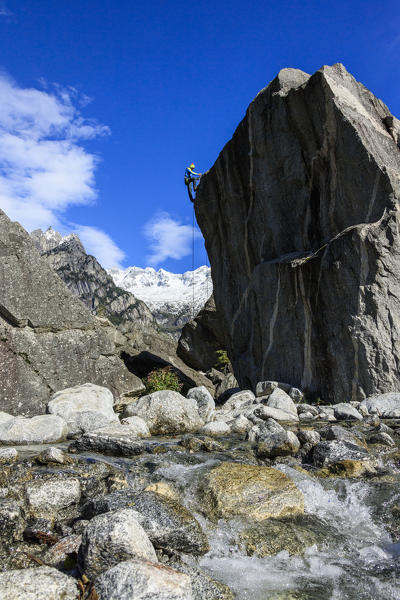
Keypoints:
pixel 4 12
pixel 44 168
pixel 168 238
pixel 100 244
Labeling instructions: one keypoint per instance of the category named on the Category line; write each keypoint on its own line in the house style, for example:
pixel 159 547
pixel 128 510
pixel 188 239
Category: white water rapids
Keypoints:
pixel 357 561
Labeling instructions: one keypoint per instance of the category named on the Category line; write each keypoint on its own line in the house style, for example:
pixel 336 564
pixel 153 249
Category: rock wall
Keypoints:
pixel 201 339
pixel 138 338
pixel 48 339
pixel 300 215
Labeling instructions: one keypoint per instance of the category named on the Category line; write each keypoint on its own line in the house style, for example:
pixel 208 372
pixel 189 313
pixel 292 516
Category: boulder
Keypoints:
pixel 216 428
pixel 336 432
pixel 53 455
pixel 240 425
pixel 308 439
pixel 239 402
pixel 270 439
pixel 306 273
pixel 307 408
pixel 84 407
pixel 167 522
pixel 8 455
pixel 329 452
pixel 11 521
pixel 43 583
pixel 138 426
pixel 111 538
pixel 265 388
pixel 386 406
pixel 282 401
pixel 346 412
pixel 143 580
pixel 277 535
pixel 347 468
pixel 203 586
pixel 268 412
pixel 201 339
pixel 48 339
pixel 256 493
pixel 43 429
pixel 380 437
pixel 205 402
pixel 167 413
pixel 116 440
pixel 48 498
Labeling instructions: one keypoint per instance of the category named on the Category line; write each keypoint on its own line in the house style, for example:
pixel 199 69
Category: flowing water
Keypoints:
pixel 357 560
pixel 358 521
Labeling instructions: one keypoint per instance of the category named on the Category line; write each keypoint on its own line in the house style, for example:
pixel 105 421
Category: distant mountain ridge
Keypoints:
pixel 173 298
pixel 86 278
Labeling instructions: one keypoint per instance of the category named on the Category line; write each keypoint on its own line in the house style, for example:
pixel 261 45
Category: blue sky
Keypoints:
pixel 103 103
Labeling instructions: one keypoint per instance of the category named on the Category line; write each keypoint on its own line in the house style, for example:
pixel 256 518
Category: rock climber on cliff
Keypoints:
pixel 191 178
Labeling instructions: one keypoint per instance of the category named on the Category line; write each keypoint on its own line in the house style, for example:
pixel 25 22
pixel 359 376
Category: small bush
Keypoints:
pixel 222 361
pixel 162 379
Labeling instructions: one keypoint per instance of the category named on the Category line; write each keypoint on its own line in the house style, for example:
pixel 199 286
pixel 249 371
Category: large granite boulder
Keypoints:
pixel 43 583
pixel 143 580
pixel 111 538
pixel 167 413
pixel 43 429
pixel 306 269
pixel 201 339
pixel 48 339
pixel 84 407
pixel 386 406
pixel 256 493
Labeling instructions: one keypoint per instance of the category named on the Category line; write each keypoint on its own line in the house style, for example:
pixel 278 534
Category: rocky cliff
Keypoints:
pixel 300 215
pixel 201 339
pixel 48 339
pixel 138 338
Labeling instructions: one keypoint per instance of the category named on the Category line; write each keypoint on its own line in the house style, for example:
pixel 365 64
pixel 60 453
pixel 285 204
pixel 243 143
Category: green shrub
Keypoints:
pixel 162 379
pixel 222 360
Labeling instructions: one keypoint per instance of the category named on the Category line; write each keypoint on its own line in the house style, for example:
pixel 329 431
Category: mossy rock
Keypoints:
pixel 275 535
pixel 347 468
pixel 254 492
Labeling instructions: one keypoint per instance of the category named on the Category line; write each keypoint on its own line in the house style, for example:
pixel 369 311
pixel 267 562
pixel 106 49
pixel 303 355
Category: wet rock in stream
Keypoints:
pixel 275 535
pixel 257 493
pixel 167 522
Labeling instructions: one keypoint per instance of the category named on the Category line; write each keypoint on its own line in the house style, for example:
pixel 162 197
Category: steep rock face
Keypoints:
pixel 86 278
pixel 48 339
pixel 300 216
pixel 202 338
pixel 138 337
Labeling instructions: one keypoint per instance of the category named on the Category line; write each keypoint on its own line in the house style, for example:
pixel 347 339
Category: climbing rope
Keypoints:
pixel 193 225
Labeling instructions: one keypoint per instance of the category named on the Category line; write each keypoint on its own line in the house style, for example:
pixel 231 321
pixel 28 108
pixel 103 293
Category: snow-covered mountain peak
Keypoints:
pixel 168 295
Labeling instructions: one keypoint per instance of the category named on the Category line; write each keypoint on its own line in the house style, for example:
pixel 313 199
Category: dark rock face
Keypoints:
pixel 300 218
pixel 48 339
pixel 201 339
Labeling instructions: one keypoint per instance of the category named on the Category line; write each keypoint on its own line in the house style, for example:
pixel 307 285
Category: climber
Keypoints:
pixel 191 178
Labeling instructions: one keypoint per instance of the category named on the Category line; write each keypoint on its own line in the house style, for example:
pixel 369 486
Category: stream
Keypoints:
pixel 357 523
